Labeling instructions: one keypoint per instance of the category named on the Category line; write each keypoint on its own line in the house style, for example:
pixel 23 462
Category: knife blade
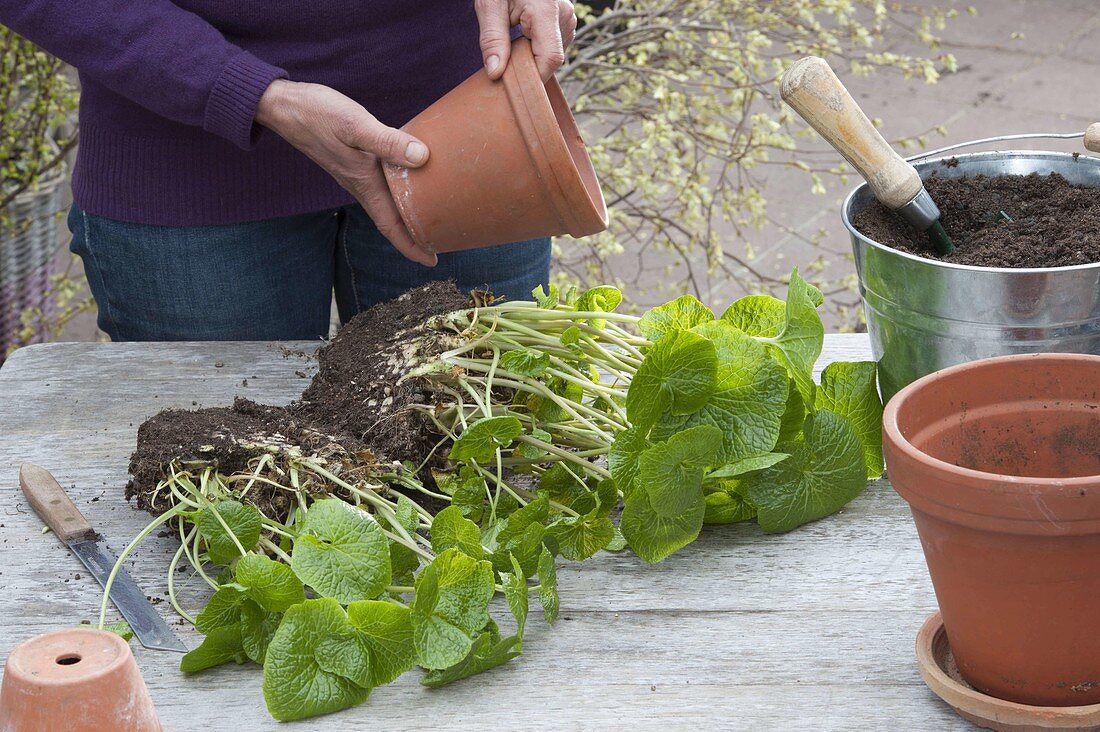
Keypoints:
pixel 58 511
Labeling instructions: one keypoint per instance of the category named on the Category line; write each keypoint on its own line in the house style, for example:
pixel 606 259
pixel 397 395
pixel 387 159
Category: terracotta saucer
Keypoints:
pixel 938 668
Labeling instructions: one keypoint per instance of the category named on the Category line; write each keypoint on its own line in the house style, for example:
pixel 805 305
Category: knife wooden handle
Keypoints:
pixel 816 93
pixel 53 505
pixel 1092 137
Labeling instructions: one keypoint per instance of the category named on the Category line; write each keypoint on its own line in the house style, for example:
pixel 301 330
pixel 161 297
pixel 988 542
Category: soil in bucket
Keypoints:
pixel 1004 221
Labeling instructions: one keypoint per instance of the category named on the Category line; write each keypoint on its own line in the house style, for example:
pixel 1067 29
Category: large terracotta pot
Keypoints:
pixel 78 680
pixel 999 461
pixel 506 163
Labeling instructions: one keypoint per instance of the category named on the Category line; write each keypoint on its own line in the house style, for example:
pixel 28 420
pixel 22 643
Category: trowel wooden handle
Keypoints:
pixel 53 505
pixel 816 93
pixel 1092 138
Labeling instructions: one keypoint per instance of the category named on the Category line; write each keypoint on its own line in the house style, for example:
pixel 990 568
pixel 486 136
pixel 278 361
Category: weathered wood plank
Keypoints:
pixel 808 630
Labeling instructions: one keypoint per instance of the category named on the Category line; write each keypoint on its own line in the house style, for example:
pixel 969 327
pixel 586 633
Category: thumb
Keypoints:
pixel 388 144
pixel 496 39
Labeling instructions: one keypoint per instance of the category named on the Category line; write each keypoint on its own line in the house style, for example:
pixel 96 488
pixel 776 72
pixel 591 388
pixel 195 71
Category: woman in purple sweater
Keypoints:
pixel 229 175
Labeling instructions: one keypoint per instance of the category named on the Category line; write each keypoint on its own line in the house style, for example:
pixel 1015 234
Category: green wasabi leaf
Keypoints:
pixel 747 465
pixel 794 415
pixel 600 299
pixel 678 373
pixel 571 336
pixel 545 409
pixel 487 652
pixel 403 562
pixel 653 536
pixel 671 472
pixel 481 440
pixel 850 390
pixel 345 655
pixel 533 452
pixel 825 471
pixel 469 496
pixel 617 544
pixel 798 342
pixel 683 313
pixel 406 514
pixel 580 537
pixel 757 315
pixel 220 645
pixel 451 529
pixel 625 456
pixel 548 586
pixel 243 521
pixel 515 592
pixel 562 486
pixel 451 606
pixel 295 685
pixel 544 299
pixel 728 504
pixel 257 629
pixel 120 628
pixel 386 630
pixel 521 536
pixel 341 552
pixel 749 398
pixel 525 362
pixel 222 609
pixel 273 585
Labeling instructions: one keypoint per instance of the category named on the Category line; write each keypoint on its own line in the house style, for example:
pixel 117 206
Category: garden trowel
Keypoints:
pixel 815 92
pixel 54 507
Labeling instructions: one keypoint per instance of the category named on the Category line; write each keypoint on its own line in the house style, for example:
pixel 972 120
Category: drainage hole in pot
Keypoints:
pixel 68 659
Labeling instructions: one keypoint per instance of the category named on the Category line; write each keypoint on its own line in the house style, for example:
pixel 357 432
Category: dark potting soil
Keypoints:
pixel 356 390
pixel 353 402
pixel 1053 223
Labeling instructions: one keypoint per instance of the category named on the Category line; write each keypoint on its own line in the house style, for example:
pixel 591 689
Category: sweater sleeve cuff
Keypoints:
pixel 231 108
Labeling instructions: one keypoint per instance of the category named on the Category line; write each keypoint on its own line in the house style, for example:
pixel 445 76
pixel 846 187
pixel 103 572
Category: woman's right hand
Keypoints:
pixel 346 140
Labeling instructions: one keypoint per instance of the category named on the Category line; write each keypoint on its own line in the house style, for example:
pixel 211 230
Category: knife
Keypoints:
pixel 54 506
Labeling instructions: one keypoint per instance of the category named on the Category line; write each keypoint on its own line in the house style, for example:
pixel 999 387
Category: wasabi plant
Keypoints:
pixel 565 428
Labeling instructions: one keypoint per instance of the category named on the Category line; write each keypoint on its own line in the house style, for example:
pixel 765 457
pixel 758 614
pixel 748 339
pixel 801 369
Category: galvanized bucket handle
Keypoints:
pixel 999 138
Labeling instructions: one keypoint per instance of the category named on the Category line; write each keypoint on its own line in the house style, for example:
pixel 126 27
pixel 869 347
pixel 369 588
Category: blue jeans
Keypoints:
pixel 269 280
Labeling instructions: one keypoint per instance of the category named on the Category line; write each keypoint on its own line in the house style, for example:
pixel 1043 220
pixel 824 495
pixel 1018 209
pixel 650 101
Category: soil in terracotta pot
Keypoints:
pixel 353 404
pixel 1023 445
pixel 1053 223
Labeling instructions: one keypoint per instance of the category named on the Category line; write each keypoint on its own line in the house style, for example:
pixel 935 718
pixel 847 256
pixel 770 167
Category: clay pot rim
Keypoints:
pixel 892 432
pixel 123 657
pixel 552 156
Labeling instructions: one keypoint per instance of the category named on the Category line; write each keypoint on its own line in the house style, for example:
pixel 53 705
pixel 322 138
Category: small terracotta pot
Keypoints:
pixel 999 461
pixel 506 163
pixel 78 680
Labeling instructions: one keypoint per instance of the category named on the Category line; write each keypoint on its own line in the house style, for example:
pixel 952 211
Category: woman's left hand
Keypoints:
pixel 550 24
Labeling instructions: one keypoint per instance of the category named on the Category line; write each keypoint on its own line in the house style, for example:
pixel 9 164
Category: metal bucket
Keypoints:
pixel 924 315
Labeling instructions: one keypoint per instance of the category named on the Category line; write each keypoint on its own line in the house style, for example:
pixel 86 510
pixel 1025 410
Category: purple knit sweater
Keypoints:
pixel 170 87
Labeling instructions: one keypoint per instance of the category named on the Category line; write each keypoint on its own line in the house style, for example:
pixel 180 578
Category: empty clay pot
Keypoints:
pixel 999 461
pixel 506 163
pixel 78 680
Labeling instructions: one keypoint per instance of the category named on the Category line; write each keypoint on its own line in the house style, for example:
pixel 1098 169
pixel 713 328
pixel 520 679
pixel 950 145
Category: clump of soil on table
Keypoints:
pixel 355 391
pixel 353 403
pixel 1053 222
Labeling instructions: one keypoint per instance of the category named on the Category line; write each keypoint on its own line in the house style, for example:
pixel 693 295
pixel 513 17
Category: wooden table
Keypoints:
pixel 808 630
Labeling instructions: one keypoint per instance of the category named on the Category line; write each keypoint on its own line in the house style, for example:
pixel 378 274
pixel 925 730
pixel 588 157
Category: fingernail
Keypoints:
pixel 415 153
pixel 492 63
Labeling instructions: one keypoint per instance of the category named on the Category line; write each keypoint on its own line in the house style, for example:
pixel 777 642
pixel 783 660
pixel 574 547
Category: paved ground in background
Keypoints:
pixel 1045 80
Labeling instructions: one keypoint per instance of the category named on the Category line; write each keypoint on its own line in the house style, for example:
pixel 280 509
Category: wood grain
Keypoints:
pixel 812 630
